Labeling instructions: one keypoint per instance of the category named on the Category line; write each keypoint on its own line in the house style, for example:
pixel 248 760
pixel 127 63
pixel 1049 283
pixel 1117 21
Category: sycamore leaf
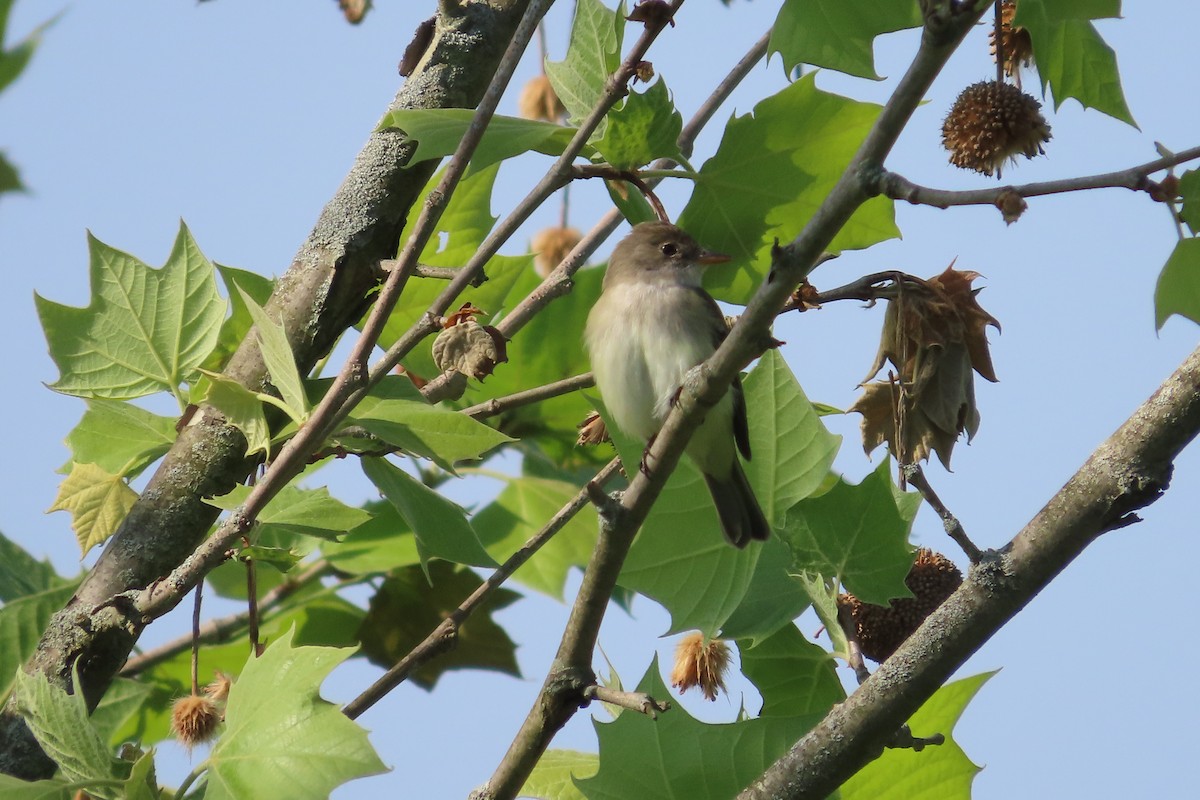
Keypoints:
pixel 838 34
pixel 379 545
pixel 307 512
pixel 146 330
pixel 98 502
pixel 856 533
pixel 13 60
pixel 21 574
pixel 645 127
pixel 122 700
pixel 16 789
pixel 59 721
pixel 770 174
pixel 1178 289
pixel 408 606
pixel 119 437
pixel 461 228
pixel 397 413
pixel 676 756
pixel 554 775
pixel 1070 55
pixel 441 527
pixel 437 132
pixel 794 676
pixel 10 178
pixel 280 733
pixel 243 409
pixel 521 509
pixel 593 55
pixel 1189 191
pixel 238 284
pixel 943 772
pixel 280 361
pixel 21 624
pixel 142 783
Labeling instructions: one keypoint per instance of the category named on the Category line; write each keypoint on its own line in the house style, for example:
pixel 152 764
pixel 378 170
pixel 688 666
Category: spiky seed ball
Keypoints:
pixel 882 629
pixel 218 690
pixel 700 663
pixel 551 245
pixel 538 100
pixel 194 720
pixel 1018 47
pixel 991 123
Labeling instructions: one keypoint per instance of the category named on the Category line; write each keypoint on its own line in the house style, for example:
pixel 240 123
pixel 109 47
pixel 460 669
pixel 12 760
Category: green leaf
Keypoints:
pixel 306 512
pixel 408 607
pixel 281 558
pixel 98 502
pixel 16 789
pixel 838 34
pixel 21 574
pixel 593 55
pixel 238 284
pixel 645 127
pixel 553 777
pixel 121 701
pixel 1189 190
pixel 770 174
pixel 941 772
pixel 794 676
pixel 1178 289
pixel 520 511
pixel 280 361
pixel 142 784
pixel 856 533
pixel 1070 55
pixel 243 409
pixel 792 451
pixel 145 331
pixel 21 624
pixel 280 733
pixel 14 60
pixel 440 526
pixel 10 178
pixel 377 546
pixel 398 414
pixel 59 722
pixel 772 600
pixel 632 204
pixel 437 132
pixel 119 437
pixel 461 228
pixel 677 756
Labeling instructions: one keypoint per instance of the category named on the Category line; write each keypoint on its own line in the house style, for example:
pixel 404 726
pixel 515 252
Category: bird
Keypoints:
pixel 651 324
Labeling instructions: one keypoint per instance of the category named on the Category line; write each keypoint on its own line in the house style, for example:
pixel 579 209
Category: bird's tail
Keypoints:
pixel 742 518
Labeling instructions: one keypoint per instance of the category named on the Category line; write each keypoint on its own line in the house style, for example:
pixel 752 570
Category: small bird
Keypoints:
pixel 653 323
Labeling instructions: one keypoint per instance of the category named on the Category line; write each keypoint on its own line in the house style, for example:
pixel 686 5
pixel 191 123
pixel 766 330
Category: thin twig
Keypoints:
pixel 159 598
pixel 1136 178
pixel 251 604
pixel 904 738
pixel 443 636
pixel 915 475
pixel 222 629
pixel 634 701
pixel 537 394
pixel 196 640
pixel 854 654
pixel 427 271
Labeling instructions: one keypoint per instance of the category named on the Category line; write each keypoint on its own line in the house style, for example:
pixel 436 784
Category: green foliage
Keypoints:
pixel 22 621
pixel 437 133
pixel 243 409
pixel 304 512
pixel 794 676
pixel 941 772
pixel 644 127
pixel 1070 55
pixel 676 756
pixel 379 545
pixel 15 789
pixel 146 330
pixel 857 533
pixel 1178 289
pixel 440 526
pixel 280 733
pixel 59 722
pixel 21 574
pixel 411 604
pixel 238 284
pixel 554 776
pixel 1189 191
pixel 770 173
pixel 281 364
pixel 519 512
pixel 119 437
pixel 10 178
pixel 838 34
pixel 594 55
pixel 98 502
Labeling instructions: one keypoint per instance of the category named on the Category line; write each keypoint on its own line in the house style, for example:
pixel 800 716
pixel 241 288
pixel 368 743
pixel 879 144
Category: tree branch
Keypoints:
pixel 444 636
pixel 1128 471
pixel 497 405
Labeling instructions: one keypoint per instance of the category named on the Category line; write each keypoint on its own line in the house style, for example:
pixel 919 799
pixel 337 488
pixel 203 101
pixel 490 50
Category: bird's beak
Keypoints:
pixel 709 257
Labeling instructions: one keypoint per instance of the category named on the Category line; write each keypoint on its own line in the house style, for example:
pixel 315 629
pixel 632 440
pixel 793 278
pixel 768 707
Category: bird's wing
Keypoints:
pixel 716 320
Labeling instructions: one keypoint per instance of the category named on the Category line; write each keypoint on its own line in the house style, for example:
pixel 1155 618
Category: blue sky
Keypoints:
pixel 241 119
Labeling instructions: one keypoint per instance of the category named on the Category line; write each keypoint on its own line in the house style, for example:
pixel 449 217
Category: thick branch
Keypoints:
pixel 324 291
pixel 1127 472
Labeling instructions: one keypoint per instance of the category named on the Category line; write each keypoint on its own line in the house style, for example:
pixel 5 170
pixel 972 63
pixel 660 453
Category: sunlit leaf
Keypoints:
pixel 1178 289
pixel 238 284
pixel 119 437
pixel 794 676
pixel 21 574
pixel 838 34
pixel 308 512
pixel 593 55
pixel 98 502
pixel 553 777
pixel 243 409
pixel 645 127
pixel 21 624
pixel 280 361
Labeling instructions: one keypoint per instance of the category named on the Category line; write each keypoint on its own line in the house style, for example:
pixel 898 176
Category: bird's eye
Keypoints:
pixel 669 249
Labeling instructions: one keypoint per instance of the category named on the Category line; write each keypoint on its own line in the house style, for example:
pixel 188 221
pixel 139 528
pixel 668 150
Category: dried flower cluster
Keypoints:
pixel 700 663
pixel 551 245
pixel 538 100
pixel 934 334
pixel 1015 41
pixel 991 123
pixel 882 629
